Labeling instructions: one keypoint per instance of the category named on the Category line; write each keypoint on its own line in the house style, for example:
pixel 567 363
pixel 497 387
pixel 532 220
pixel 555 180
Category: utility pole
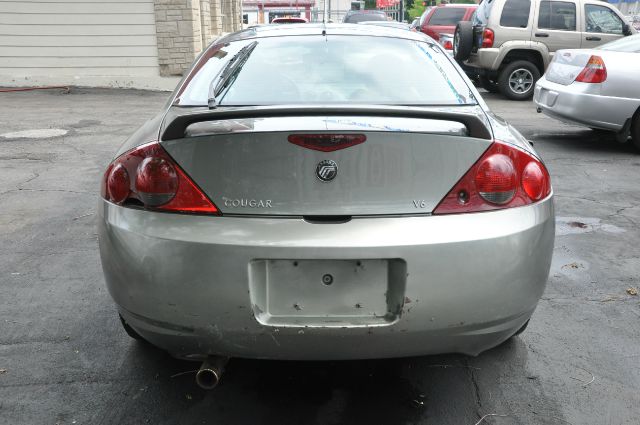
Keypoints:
pixel 401 11
pixel 325 18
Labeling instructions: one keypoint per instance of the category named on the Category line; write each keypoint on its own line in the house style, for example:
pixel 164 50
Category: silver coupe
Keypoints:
pixel 325 192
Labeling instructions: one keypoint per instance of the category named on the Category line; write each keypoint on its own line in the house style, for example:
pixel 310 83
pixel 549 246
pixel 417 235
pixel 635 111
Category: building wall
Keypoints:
pixel 87 37
pixel 186 27
pixel 121 43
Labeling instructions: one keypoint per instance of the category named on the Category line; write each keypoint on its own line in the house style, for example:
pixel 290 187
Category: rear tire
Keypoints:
pixel 518 79
pixel 522 329
pixel 130 331
pixel 463 41
pixel 489 85
pixel 635 130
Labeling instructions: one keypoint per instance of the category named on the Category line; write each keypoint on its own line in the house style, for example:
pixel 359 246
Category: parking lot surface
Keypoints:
pixel 64 359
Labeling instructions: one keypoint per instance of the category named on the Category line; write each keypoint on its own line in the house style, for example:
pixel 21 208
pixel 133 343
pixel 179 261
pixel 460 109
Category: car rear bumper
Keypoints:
pixel 485 60
pixel 189 284
pixel 580 103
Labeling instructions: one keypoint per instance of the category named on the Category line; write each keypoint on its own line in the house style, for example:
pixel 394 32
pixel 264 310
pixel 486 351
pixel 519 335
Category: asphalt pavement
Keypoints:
pixel 64 359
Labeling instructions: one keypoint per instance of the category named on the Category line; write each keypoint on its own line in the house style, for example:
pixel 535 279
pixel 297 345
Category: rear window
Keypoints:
pixel 363 17
pixel 557 15
pixel 447 16
pixel 334 69
pixel 482 13
pixel 515 14
pixel 424 15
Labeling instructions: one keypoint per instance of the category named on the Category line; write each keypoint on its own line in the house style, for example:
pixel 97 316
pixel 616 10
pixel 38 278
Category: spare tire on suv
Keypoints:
pixel 463 41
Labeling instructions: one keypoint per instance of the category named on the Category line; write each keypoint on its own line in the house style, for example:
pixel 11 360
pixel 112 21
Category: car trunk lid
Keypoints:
pixel 567 65
pixel 253 165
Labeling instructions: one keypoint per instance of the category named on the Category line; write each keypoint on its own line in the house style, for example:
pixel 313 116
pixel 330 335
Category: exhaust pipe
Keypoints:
pixel 210 372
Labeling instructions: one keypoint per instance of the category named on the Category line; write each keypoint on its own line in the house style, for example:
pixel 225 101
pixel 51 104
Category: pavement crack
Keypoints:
pixel 50 190
pixel 476 388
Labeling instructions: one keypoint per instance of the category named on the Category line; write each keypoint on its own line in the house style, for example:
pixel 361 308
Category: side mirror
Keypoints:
pixel 626 30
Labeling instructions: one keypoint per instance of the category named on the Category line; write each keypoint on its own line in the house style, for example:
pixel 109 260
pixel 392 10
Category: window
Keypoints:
pixel 515 14
pixel 424 14
pixel 557 15
pixel 337 69
pixel 481 15
pixel 447 16
pixel 602 19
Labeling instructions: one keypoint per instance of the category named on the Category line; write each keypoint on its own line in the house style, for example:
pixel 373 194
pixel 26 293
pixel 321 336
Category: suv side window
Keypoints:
pixel 515 13
pixel 557 15
pixel 601 19
pixel 447 15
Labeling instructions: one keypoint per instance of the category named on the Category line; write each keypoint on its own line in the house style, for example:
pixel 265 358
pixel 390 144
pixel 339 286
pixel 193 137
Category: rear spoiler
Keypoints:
pixel 178 119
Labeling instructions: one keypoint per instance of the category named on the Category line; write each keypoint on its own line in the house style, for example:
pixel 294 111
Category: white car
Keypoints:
pixel 597 88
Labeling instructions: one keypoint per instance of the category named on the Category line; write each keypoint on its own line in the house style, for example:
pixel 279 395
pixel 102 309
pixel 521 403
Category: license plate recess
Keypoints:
pixel 324 293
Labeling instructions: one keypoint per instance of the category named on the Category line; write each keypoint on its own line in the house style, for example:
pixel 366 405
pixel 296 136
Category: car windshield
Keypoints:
pixel 333 69
pixel 627 44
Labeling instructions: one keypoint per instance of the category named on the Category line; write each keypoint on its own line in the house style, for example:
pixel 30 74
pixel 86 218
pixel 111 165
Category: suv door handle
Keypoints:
pixel 541 34
pixel 592 38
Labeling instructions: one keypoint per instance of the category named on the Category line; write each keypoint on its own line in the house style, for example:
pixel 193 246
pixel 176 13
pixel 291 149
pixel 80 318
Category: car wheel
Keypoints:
pixel 463 41
pixel 518 79
pixel 489 85
pixel 130 331
pixel 635 130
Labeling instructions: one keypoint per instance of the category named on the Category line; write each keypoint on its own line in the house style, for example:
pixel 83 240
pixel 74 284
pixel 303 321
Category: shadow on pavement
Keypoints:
pixel 433 389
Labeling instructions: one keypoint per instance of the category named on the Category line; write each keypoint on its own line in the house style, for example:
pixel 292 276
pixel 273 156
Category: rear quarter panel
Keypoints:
pixel 623 70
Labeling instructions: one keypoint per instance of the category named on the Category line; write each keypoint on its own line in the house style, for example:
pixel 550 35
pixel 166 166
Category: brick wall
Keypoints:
pixel 185 27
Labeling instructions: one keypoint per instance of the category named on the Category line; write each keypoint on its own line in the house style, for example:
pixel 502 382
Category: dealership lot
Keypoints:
pixel 65 359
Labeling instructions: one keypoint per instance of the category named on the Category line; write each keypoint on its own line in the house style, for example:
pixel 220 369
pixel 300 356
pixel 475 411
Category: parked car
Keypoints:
pixel 390 24
pixel 290 20
pixel 597 88
pixel 355 16
pixel 291 201
pixel 446 41
pixel 634 21
pixel 511 42
pixel 444 18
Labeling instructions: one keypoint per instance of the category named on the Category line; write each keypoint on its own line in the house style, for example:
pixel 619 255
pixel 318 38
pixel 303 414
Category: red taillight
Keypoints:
pixel 593 72
pixel 156 182
pixel 496 179
pixel 118 183
pixel 504 177
pixel 448 45
pixel 487 38
pixel 535 181
pixel 326 142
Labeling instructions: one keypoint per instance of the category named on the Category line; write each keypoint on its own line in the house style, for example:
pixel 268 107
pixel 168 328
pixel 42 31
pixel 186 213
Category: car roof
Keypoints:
pixel 366 11
pixel 262 31
pixel 467 5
